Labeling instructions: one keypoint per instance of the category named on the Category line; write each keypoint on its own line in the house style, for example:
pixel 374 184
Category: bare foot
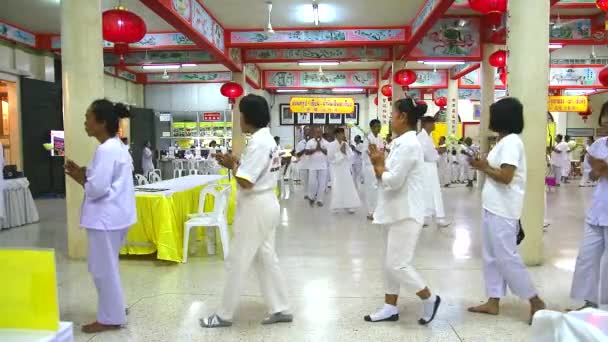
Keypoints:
pixel 536 304
pixel 489 308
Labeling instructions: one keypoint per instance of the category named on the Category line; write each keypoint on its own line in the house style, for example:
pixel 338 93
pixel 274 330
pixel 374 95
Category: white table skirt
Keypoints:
pixel 179 184
pixel 589 325
pixel 65 334
pixel 19 206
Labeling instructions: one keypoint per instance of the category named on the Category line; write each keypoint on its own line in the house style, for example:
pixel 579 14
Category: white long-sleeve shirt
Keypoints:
pixel 428 147
pixel 109 194
pixel 401 186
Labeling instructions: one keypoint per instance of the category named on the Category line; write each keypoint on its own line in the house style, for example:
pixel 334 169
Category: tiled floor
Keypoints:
pixel 332 264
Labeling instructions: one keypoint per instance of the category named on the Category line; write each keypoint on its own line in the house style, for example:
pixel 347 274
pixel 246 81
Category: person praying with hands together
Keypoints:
pixel 316 149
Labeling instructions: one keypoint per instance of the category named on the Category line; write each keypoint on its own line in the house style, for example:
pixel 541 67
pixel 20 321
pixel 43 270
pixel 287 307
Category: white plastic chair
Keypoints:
pixel 177 173
pixel 216 218
pixel 154 177
pixel 156 171
pixel 141 180
pixel 193 167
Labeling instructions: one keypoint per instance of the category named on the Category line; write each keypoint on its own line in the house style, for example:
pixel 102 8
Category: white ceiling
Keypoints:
pixel 198 68
pixel 342 66
pixel 44 16
pixel 298 13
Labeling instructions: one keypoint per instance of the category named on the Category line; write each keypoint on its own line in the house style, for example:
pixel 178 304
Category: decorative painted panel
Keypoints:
pixel 110 70
pixel 183 8
pixel 150 40
pixel 262 55
pixel 424 14
pixel 16 34
pixel 577 2
pixel 572 29
pixel 574 76
pixel 192 77
pixel 431 79
pixel 287 79
pixel 461 4
pixel 205 25
pixel 127 75
pixel 447 39
pixel 236 57
pixel 468 94
pixel 473 79
pixel 160 57
pixel 305 36
pixel 253 73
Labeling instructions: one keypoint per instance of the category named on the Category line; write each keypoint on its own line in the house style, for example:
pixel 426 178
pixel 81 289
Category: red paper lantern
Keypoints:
pixel 376 101
pixel 602 4
pixel 122 28
pixel 405 77
pixel 488 6
pixel 586 115
pixel 387 90
pixel 602 76
pixel 503 75
pixel 441 102
pixel 231 90
pixel 498 59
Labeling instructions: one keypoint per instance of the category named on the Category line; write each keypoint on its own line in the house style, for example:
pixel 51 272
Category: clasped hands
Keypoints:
pixel 227 160
pixel 77 173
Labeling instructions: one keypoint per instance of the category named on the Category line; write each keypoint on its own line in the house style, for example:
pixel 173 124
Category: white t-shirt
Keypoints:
pixel 558 159
pixel 260 163
pixel 506 200
pixel 303 161
pixel 317 160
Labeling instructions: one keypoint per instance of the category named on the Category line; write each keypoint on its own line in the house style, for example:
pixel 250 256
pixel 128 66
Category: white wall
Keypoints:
pixel 38 66
pixel 184 97
pixel 119 90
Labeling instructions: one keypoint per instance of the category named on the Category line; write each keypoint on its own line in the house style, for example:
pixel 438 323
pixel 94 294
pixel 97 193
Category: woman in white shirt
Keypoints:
pixel 590 283
pixel 147 164
pixel 370 183
pixel 502 201
pixel 316 150
pixel 108 210
pixel 558 155
pixel 344 191
pixel 401 212
pixel 256 219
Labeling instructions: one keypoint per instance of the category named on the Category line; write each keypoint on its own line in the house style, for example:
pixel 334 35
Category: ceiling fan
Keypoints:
pixel 268 28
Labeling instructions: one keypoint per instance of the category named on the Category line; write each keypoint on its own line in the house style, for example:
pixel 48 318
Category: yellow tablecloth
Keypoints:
pixel 160 222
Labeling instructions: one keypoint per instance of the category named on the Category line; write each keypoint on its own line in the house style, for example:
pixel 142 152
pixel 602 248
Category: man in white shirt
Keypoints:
pixel 357 160
pixel 370 183
pixel 559 153
pixel 303 160
pixel 316 150
pixel 432 189
pixel 443 164
pixel 256 219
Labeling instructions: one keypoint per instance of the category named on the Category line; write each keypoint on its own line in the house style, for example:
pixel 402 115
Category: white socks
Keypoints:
pixel 385 313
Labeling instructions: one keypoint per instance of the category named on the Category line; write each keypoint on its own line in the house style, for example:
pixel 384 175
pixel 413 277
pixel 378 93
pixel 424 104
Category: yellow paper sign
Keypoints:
pixel 326 105
pixel 568 103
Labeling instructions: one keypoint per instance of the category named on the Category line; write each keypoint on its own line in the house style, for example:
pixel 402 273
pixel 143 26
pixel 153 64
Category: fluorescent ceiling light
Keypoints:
pixel 347 90
pixel 292 90
pixel 318 63
pixel 442 62
pixel 315 12
pixel 161 66
pixel 185 65
pixel 556 46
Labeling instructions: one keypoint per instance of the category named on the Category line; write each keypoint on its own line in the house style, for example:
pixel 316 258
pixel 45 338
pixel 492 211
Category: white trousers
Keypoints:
pixel 255 221
pixel 400 245
pixel 304 178
pixel 432 195
pixel 556 170
pixel 356 172
pixel 370 188
pixel 317 184
pixel 590 280
pixel 104 247
pixel 502 264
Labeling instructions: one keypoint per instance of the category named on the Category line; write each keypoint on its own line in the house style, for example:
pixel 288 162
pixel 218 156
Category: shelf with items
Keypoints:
pixel 196 128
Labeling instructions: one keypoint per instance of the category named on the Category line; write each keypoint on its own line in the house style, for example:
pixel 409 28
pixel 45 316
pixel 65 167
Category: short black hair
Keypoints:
pixel 567 137
pixel 427 119
pixel 507 116
pixel 374 122
pixel 277 138
pixel 109 113
pixel 414 110
pixel 255 110
pixel 559 137
pixel 338 130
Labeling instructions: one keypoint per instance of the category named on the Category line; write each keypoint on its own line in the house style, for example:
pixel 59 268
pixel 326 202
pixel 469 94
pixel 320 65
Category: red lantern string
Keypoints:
pixel 602 76
pixel 376 101
pixel 602 4
pixel 387 90
pixel 441 102
pixel 231 90
pixel 586 115
pixel 405 77
pixel 498 59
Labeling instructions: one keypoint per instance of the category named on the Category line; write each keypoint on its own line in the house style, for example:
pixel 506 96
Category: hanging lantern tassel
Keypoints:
pixel 585 115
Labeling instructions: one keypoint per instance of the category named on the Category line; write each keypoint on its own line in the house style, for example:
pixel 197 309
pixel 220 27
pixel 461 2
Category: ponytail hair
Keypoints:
pixel 414 110
pixel 110 113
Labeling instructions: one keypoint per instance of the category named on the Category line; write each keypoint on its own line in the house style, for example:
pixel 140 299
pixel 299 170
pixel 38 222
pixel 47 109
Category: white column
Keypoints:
pixel 487 98
pixel 528 80
pixel 452 108
pixel 82 77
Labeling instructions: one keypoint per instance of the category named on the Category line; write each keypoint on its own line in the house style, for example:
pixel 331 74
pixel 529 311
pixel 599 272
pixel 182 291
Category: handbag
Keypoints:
pixel 521 235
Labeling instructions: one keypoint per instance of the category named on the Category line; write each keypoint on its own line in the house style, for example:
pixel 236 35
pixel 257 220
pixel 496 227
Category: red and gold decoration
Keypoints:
pixel 122 27
pixel 492 9
pixel 405 78
pixel 441 102
pixel 602 4
pixel 387 90
pixel 498 59
pixel 586 114
pixel 231 90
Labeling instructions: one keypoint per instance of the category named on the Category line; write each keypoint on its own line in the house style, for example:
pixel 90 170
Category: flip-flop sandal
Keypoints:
pixel 214 321
pixel 278 317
